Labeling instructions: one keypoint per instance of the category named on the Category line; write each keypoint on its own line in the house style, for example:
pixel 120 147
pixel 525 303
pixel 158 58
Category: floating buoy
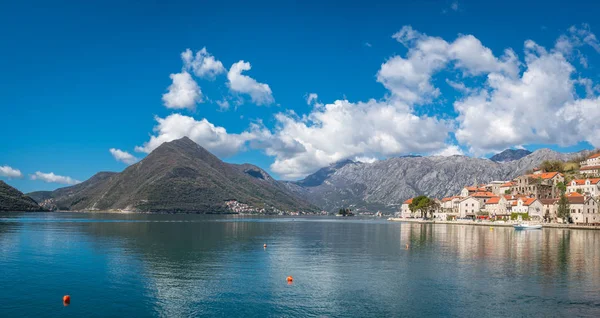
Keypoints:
pixel 290 279
pixel 265 246
pixel 66 300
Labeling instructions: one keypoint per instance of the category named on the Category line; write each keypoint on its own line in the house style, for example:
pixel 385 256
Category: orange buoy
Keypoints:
pixel 290 279
pixel 265 246
pixel 66 299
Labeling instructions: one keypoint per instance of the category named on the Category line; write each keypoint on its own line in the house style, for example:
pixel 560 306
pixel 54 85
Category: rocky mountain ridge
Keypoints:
pixel 385 184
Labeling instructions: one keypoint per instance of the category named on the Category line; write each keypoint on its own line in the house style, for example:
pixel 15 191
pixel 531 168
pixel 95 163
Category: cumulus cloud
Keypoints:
pixel 260 93
pixel 123 156
pixel 343 129
pixel 9 172
pixel 541 106
pixel 53 178
pixel 410 78
pixel 202 64
pixel 214 138
pixel 184 92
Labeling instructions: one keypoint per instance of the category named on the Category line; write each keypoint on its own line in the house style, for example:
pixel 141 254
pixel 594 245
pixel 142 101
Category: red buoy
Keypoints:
pixel 290 279
pixel 265 246
pixel 66 299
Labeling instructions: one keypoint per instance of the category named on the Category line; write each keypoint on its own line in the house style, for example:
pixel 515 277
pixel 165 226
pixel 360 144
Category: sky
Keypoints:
pixel 290 86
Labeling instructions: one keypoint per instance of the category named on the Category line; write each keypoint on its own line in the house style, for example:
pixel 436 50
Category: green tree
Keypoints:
pixel 563 209
pixel 420 204
pixel 552 165
pixel 561 186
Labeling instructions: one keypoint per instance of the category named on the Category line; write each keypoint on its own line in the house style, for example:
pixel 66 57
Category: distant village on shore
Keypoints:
pixel 547 194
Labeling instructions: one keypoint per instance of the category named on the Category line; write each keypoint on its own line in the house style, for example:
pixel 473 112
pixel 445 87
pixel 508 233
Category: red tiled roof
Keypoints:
pixel 574 194
pixel 471 188
pixel 493 200
pixel 526 201
pixel 508 184
pixel 594 156
pixel 582 181
pixel 545 175
pixel 483 194
pixel 548 201
pixel 409 201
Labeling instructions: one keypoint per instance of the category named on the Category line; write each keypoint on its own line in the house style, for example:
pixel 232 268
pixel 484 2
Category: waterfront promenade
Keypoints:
pixel 494 224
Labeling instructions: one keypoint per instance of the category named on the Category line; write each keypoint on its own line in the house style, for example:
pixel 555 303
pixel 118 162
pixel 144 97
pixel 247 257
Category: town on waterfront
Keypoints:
pixel 556 192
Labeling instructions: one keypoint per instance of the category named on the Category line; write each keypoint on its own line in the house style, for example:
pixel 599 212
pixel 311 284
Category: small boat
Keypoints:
pixel 523 226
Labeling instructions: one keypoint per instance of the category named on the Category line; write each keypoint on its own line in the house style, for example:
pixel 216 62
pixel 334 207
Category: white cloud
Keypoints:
pixel 184 92
pixel 53 178
pixel 450 150
pixel 203 64
pixel 123 156
pixel 537 107
pixel 238 83
pixel 342 130
pixel 223 105
pixel 312 97
pixel 365 159
pixel 9 172
pixel 214 138
pixel 409 79
pixel 459 86
pixel 569 44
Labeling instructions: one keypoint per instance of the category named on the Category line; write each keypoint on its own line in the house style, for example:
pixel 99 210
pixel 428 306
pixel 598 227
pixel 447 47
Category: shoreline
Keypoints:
pixel 496 224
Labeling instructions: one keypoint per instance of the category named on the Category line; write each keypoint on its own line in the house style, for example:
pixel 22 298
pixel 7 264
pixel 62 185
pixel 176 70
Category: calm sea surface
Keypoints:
pixel 191 265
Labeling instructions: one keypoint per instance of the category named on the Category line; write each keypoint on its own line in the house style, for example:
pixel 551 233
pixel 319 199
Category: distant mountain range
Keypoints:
pixel 178 176
pixel 385 184
pixel 510 155
pixel 181 176
pixel 12 199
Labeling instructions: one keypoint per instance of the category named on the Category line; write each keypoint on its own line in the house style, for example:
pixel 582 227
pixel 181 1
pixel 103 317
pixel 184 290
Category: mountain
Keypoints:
pixel 178 176
pixel 12 199
pixel 384 185
pixel 510 155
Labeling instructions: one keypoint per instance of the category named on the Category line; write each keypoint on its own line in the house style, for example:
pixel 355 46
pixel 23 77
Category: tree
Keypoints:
pixel 433 206
pixel 563 209
pixel 420 204
pixel 552 165
pixel 425 205
pixel 561 186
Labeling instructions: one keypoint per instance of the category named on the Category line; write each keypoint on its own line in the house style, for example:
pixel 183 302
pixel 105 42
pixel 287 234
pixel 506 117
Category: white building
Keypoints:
pixel 531 206
pixel 405 210
pixel 497 207
pixel 468 207
pixel 585 186
pixel 593 160
pixel 586 213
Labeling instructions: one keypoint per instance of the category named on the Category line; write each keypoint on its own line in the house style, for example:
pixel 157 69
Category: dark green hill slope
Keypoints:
pixel 12 199
pixel 178 176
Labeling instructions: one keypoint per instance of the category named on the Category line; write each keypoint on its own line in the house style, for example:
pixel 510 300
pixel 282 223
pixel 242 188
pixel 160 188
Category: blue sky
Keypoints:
pixel 81 78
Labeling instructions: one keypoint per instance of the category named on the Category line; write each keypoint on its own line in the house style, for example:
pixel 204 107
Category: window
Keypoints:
pixel 472 204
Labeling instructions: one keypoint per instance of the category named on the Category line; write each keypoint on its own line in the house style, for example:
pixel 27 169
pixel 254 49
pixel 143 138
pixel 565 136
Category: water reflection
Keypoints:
pixel 188 265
